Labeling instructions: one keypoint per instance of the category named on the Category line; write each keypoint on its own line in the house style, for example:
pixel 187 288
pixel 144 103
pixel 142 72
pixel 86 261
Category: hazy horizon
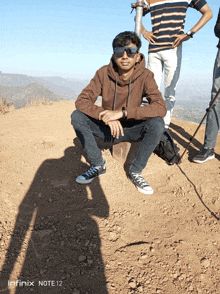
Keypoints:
pixel 197 86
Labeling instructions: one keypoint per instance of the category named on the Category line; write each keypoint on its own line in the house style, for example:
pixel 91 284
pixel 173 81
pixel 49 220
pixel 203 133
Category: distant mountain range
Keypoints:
pixel 20 89
pixel 25 95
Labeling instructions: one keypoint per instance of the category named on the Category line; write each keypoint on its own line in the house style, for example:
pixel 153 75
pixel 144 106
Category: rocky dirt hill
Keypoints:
pixel 57 236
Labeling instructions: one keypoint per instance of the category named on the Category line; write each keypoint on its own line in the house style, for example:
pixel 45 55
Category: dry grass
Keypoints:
pixel 5 106
pixel 36 100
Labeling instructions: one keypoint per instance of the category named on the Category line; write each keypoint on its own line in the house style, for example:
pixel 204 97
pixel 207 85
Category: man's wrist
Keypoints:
pixel 190 34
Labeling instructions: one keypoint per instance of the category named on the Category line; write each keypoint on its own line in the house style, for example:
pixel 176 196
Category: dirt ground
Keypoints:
pixel 57 236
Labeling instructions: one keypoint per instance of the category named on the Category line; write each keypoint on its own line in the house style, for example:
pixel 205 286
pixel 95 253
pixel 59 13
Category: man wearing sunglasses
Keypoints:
pixel 121 117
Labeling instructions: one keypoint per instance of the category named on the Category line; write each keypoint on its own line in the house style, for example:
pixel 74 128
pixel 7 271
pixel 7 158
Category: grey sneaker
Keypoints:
pixel 140 183
pixel 204 155
pixel 91 174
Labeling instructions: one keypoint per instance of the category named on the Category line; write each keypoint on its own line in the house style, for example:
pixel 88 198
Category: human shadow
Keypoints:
pixel 184 143
pixel 64 243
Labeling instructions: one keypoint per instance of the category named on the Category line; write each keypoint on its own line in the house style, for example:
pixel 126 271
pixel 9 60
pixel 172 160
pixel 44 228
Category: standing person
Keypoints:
pixel 121 117
pixel 213 117
pixel 165 41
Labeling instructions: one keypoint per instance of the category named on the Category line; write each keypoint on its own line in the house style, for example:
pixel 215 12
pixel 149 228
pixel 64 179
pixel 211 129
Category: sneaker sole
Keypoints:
pixel 202 161
pixel 88 181
pixel 145 192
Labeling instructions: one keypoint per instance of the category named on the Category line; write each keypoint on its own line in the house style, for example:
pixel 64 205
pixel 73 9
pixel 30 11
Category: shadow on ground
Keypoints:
pixel 174 129
pixel 64 243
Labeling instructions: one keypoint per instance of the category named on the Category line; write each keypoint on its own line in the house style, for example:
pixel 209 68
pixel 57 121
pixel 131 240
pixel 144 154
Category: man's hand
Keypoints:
pixel 149 36
pixel 110 115
pixel 179 39
pixel 116 128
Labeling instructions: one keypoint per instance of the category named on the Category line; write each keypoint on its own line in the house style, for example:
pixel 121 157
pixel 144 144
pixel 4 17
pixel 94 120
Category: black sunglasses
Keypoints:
pixel 131 51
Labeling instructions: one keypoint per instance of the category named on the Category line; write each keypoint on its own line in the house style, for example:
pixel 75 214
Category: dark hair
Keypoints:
pixel 125 38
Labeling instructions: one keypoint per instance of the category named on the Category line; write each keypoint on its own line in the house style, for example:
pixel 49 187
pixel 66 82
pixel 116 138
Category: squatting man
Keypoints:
pixel 121 117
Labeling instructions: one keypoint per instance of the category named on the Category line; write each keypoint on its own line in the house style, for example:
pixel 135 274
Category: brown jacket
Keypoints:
pixel 117 93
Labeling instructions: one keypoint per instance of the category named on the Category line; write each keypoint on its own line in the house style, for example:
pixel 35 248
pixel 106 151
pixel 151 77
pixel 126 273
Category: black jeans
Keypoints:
pixel 149 130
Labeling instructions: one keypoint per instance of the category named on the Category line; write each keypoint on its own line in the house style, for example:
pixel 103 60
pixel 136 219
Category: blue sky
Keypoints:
pixel 74 38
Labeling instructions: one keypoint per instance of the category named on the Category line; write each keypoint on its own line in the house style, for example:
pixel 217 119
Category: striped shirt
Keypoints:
pixel 168 19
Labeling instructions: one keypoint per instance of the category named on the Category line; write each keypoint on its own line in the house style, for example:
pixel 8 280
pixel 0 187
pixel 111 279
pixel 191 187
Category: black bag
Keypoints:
pixel 167 149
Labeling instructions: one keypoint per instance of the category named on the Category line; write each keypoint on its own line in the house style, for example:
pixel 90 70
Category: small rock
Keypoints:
pixel 152 249
pixel 113 236
pixel 140 289
pixel 132 284
pixel 182 277
pixel 203 277
pixel 143 256
pixel 108 285
pixel 205 262
pixel 82 258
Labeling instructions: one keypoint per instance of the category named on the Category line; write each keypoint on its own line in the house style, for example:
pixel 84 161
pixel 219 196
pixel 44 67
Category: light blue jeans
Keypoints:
pixel 213 118
pixel 170 61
